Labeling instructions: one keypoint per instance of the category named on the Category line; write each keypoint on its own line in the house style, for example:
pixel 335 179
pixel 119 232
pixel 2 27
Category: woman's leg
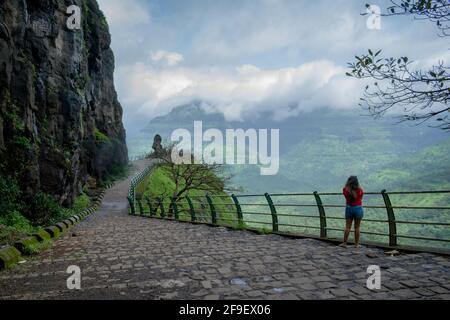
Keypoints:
pixel 357 231
pixel 348 228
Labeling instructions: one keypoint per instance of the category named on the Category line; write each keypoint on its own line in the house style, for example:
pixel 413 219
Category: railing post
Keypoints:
pixel 161 206
pixel 150 207
pixel 212 209
pixel 240 216
pixel 191 209
pixel 130 201
pixel 391 219
pixel 141 208
pixel 322 215
pixel 133 195
pixel 273 211
pixel 175 208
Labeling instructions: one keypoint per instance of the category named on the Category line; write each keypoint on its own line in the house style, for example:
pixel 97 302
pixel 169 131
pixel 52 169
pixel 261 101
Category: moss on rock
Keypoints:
pixel 42 235
pixel 9 256
pixel 53 231
pixel 24 244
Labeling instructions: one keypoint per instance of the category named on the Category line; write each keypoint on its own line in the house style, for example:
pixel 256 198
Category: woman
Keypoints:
pixel 354 211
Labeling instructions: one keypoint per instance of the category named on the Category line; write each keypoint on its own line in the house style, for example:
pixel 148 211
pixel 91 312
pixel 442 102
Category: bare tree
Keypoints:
pixel 421 94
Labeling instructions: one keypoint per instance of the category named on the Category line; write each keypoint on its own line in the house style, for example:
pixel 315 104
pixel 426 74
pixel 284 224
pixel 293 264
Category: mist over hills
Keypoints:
pixel 321 148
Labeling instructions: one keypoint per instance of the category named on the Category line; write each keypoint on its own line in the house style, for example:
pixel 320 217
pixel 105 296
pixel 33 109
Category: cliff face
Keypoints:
pixel 60 120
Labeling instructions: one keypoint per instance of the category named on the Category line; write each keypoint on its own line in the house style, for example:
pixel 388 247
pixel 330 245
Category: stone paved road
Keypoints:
pixel 124 257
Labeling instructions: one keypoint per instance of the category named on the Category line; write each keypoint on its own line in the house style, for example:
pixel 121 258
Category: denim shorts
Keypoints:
pixel 354 212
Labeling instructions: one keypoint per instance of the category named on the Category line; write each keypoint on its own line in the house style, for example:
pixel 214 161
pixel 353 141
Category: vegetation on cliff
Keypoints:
pixel 61 131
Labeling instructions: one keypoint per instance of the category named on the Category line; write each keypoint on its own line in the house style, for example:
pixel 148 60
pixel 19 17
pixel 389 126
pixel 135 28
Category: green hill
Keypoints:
pixel 321 148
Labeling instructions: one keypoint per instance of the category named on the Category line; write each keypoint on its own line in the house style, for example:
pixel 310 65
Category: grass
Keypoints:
pixel 34 249
pixel 101 137
pixel 81 202
pixel 158 183
pixel 14 226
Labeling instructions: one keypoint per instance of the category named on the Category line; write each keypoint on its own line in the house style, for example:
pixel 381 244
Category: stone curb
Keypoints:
pixel 10 255
pixel 22 245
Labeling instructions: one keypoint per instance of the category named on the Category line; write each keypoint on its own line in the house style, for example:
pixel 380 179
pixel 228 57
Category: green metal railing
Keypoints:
pixel 142 156
pixel 135 181
pixel 315 215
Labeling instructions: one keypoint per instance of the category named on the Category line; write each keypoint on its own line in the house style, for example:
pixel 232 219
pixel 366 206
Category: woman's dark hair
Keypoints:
pixel 352 186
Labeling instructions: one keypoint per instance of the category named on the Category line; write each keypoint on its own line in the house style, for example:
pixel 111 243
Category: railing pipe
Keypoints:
pixel 161 207
pixel 191 209
pixel 322 215
pixel 175 208
pixel 212 209
pixel 391 219
pixel 150 206
pixel 273 211
pixel 240 216
pixel 141 208
pixel 132 209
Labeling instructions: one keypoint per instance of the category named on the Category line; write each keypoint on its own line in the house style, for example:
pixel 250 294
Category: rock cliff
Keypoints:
pixel 60 120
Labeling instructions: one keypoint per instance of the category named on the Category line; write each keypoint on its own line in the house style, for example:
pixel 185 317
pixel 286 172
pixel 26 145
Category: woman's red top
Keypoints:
pixel 357 201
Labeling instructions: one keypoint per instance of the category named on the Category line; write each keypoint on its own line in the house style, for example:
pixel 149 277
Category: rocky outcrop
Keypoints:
pixel 60 120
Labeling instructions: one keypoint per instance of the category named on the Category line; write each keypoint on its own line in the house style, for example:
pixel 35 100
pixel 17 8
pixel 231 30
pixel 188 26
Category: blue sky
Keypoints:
pixel 246 57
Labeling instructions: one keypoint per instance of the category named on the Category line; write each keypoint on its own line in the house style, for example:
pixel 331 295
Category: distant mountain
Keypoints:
pixel 321 148
pixel 184 117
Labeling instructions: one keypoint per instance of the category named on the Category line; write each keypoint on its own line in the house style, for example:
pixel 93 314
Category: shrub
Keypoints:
pixel 10 196
pixel 16 220
pixel 14 226
pixel 81 203
pixel 44 209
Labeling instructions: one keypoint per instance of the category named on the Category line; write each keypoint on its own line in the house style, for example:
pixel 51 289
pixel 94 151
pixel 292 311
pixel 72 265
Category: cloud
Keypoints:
pixel 277 56
pixel 240 94
pixel 123 14
pixel 247 69
pixel 171 59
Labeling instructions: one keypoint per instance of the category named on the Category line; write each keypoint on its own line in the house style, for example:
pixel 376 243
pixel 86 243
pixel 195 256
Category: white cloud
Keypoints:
pixel 123 14
pixel 238 95
pixel 246 58
pixel 171 59
pixel 247 69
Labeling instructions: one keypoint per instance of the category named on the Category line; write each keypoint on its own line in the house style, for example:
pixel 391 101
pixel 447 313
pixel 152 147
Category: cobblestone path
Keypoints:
pixel 125 257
